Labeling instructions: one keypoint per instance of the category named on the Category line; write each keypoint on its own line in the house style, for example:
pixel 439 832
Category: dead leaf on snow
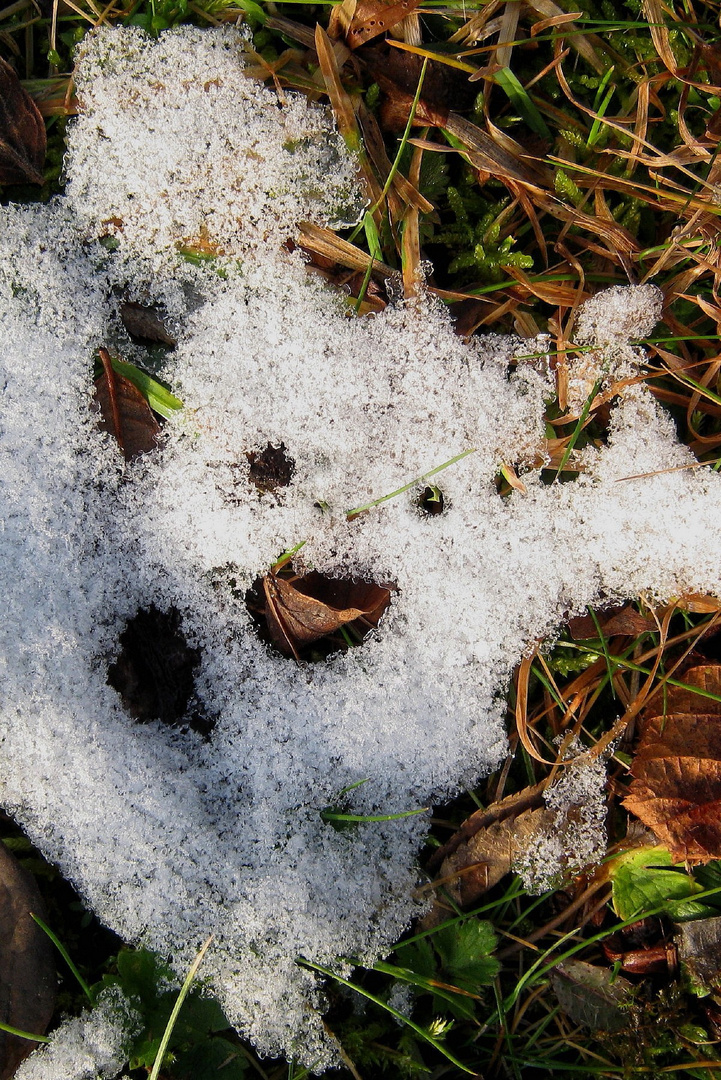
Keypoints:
pixel 302 610
pixel 22 132
pixel 145 324
pixel 27 972
pixel 490 854
pixel 676 790
pixel 124 412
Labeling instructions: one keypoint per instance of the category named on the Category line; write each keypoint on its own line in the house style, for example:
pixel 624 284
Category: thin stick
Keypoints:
pixel 177 1007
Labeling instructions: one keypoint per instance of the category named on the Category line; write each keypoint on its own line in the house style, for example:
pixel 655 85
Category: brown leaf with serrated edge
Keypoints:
pixel 22 132
pixel 373 17
pixel 676 790
pixel 301 610
pixel 27 972
pixel 124 412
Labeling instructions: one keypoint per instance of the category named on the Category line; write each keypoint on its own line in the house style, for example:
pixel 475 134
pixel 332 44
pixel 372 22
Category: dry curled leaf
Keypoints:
pixel 676 790
pixel 27 972
pixel 373 17
pixel 145 324
pixel 301 610
pixel 124 412
pixel 22 132
pixel 614 622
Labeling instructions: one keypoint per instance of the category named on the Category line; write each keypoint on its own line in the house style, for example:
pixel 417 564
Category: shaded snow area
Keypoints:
pixel 169 836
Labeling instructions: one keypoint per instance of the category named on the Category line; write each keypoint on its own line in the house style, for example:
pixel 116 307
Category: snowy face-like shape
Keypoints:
pixel 171 837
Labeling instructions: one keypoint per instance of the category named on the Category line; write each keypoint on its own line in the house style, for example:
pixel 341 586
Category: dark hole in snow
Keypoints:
pixel 270 468
pixel 430 501
pixel 313 615
pixel 154 673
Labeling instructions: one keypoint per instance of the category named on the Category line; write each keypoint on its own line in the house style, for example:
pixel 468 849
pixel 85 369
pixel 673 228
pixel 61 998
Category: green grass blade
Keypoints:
pixel 518 96
pixel 421 1032
pixel 331 815
pixel 413 483
pixel 158 398
pixel 578 428
pixel 66 957
pixel 24 1034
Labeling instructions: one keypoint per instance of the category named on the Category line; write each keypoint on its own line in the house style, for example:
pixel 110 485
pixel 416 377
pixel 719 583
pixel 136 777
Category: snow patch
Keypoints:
pixel 170 837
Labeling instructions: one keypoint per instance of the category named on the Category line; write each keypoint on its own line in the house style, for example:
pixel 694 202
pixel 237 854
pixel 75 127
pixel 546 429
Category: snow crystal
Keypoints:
pixel 93 1046
pixel 575 838
pixel 619 314
pixel 171 837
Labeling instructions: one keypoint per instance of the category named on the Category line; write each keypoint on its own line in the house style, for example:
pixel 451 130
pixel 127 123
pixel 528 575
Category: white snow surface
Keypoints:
pixel 167 836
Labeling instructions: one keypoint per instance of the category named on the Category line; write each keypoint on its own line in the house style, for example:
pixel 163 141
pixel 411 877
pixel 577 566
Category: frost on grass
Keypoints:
pixel 171 837
pixel 93 1046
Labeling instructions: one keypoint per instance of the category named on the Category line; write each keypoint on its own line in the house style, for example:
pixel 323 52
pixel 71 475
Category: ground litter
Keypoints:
pixel 167 835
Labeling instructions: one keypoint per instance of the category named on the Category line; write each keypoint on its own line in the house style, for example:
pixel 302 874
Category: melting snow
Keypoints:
pixel 169 837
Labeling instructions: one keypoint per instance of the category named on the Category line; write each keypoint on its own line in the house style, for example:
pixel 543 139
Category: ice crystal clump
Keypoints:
pixel 93 1046
pixel 170 837
pixel 575 837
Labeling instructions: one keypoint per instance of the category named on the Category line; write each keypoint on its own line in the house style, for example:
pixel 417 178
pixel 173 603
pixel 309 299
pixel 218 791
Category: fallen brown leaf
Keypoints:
pixel 374 17
pixel 124 412
pixel 27 972
pixel 22 132
pixel 615 622
pixel 676 790
pixel 301 610
pixel 480 863
pixel 145 324
pixel 593 996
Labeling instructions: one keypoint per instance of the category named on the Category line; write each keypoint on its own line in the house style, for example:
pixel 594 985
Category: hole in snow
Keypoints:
pixel 311 616
pixel 270 468
pixel 154 673
pixel 430 501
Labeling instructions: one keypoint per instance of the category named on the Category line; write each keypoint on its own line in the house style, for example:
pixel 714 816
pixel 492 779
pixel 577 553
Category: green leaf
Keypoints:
pixel 465 950
pixel 158 398
pixel 642 883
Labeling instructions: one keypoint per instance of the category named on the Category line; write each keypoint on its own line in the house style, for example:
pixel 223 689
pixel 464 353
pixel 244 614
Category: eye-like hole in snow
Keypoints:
pixel 154 672
pixel 430 502
pixel 310 616
pixel 271 468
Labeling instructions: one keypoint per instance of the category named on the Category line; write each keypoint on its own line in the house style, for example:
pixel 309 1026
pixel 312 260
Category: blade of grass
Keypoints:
pixel 401 147
pixel 157 396
pixel 413 483
pixel 65 955
pixel 24 1034
pixel 517 95
pixel 578 428
pixel 421 1032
